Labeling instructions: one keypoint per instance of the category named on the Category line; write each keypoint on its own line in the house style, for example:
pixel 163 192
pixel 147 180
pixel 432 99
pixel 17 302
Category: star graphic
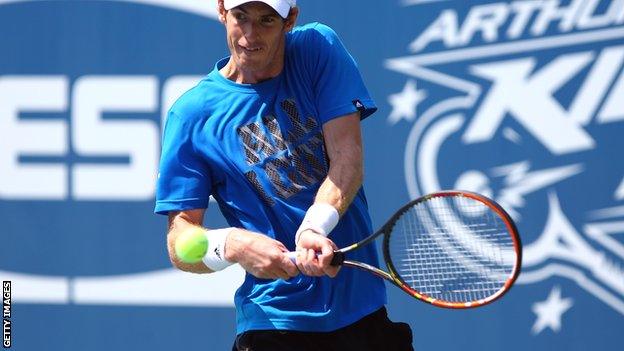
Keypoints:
pixel 404 103
pixel 619 193
pixel 549 312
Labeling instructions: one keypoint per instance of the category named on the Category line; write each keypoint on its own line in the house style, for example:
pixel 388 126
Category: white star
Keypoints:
pixel 619 193
pixel 549 312
pixel 404 103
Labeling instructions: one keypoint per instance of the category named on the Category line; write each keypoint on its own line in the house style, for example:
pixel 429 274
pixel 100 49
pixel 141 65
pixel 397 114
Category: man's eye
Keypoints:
pixel 268 20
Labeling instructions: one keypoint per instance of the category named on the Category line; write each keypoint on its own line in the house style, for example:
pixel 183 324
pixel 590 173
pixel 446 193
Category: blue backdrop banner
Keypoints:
pixel 522 101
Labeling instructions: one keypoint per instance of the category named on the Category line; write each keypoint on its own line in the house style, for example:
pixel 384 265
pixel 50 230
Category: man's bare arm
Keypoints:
pixel 343 143
pixel 179 222
pixel 256 253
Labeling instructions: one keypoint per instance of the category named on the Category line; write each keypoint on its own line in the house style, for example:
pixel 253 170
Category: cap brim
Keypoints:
pixel 280 6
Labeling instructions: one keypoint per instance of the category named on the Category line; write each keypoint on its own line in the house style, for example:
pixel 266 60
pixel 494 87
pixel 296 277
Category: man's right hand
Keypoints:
pixel 259 255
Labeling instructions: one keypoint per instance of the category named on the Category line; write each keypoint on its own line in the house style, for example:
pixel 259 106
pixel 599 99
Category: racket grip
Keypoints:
pixel 337 260
pixel 292 255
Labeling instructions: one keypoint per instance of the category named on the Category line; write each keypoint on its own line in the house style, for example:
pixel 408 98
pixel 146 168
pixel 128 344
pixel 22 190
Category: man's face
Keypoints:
pixel 256 36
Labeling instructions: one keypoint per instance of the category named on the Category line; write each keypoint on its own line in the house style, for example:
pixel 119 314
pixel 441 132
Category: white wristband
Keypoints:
pixel 215 255
pixel 320 218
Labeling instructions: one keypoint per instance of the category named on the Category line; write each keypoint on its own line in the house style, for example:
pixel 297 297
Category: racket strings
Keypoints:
pixel 454 249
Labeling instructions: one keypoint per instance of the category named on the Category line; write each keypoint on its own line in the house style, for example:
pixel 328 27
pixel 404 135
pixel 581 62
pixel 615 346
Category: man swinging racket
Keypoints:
pixel 273 134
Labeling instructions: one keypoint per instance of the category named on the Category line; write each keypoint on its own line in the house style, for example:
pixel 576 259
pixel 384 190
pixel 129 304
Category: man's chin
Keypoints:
pixel 249 63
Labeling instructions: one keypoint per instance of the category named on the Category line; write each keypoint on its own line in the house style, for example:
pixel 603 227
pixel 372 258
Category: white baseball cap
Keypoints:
pixel 281 6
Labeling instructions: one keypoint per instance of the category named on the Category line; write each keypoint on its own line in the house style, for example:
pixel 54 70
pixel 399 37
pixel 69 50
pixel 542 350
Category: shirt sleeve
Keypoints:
pixel 338 84
pixel 184 179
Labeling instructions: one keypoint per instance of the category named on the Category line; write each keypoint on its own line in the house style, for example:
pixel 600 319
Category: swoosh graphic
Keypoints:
pixel 165 287
pixel 418 2
pixel 197 7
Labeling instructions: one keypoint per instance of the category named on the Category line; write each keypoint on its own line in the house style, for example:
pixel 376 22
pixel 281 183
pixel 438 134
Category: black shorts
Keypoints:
pixel 374 332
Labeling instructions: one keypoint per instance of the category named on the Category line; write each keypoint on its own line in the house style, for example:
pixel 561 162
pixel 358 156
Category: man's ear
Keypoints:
pixel 221 10
pixel 291 20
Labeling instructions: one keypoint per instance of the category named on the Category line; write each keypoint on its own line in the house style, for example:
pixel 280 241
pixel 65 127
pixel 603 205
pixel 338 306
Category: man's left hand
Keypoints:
pixel 314 255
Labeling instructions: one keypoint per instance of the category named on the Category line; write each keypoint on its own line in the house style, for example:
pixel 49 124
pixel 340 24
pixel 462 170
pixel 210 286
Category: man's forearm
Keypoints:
pixel 343 143
pixel 178 223
pixel 343 181
pixel 198 267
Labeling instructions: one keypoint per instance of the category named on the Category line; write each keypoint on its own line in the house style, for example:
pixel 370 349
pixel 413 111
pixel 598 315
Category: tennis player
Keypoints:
pixel 273 134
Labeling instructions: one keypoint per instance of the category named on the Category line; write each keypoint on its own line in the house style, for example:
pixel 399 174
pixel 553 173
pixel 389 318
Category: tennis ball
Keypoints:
pixel 191 245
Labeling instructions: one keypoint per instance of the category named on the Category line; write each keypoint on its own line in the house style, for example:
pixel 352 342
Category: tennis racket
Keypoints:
pixel 453 249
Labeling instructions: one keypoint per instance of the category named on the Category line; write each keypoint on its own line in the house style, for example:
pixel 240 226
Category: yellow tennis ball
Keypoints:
pixel 191 245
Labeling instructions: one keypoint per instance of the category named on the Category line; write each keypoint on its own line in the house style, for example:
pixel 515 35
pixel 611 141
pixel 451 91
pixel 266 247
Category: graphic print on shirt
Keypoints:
pixel 291 160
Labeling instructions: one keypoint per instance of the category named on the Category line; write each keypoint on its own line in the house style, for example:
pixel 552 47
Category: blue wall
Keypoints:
pixel 520 100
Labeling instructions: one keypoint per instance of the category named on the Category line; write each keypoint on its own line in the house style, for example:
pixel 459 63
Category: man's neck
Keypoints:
pixel 239 75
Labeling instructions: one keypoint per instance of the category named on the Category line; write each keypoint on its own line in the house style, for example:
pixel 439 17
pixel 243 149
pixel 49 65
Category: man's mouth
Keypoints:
pixel 250 49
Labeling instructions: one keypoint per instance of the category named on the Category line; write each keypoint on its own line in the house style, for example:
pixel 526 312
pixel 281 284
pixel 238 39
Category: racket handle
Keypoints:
pixel 292 255
pixel 337 260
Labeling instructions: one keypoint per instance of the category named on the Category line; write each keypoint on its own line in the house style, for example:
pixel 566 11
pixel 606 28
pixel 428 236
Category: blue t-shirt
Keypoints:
pixel 258 150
